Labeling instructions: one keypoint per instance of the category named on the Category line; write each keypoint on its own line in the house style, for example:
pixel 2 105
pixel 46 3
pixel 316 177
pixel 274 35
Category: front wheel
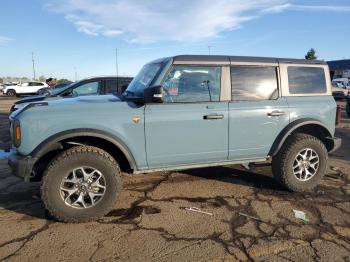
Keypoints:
pixel 81 184
pixel 301 163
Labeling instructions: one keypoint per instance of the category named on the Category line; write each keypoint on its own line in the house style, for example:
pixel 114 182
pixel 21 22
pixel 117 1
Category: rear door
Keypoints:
pixel 257 112
pixel 33 87
pixel 22 88
pixel 191 126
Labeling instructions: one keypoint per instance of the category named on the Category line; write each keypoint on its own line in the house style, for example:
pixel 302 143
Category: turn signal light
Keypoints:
pixel 16 133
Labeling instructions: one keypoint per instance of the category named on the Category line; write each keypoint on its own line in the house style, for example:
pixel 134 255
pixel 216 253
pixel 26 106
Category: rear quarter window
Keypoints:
pixel 306 80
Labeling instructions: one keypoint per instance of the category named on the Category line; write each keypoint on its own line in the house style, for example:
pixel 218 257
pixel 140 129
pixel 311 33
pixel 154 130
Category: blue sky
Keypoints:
pixel 83 34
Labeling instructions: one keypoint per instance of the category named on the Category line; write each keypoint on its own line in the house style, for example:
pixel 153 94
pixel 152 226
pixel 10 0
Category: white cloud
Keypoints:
pixel 277 8
pixel 148 21
pixel 327 8
pixel 158 20
pixel 4 40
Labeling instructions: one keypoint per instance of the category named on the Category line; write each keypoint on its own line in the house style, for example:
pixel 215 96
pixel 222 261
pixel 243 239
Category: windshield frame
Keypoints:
pixel 129 93
pixel 61 90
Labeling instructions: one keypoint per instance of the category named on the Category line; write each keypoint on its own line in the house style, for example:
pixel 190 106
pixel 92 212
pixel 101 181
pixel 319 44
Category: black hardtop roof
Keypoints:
pixel 343 64
pixel 225 59
pixel 106 77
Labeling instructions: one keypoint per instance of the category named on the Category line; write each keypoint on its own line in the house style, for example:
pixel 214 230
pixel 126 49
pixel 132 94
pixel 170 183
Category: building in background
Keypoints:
pixel 339 68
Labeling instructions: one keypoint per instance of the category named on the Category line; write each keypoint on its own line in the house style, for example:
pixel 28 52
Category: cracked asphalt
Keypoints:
pixel 252 217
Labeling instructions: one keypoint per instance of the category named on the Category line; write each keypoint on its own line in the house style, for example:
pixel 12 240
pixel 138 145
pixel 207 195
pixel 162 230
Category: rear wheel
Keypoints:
pixel 81 184
pixel 11 92
pixel 348 107
pixel 301 163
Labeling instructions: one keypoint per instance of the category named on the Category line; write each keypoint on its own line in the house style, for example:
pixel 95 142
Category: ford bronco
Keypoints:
pixel 178 113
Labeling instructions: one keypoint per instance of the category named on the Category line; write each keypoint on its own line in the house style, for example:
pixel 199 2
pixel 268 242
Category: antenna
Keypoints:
pixel 116 61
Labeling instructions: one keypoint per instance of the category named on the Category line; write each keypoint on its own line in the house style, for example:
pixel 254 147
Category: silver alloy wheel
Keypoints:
pixel 83 187
pixel 306 164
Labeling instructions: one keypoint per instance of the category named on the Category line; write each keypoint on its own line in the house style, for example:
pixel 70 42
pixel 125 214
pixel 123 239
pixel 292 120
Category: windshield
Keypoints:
pixel 56 91
pixel 143 79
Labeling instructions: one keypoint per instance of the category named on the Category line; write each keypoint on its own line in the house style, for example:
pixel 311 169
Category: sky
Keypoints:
pixel 68 36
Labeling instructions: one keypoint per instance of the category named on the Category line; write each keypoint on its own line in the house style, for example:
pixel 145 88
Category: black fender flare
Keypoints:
pixel 53 142
pixel 290 128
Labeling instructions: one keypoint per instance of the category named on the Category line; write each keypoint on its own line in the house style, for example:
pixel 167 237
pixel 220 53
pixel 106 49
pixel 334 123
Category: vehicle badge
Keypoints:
pixel 136 119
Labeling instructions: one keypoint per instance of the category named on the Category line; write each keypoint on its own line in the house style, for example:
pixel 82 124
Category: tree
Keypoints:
pixel 1 80
pixel 311 54
pixel 42 79
pixel 63 81
pixel 24 79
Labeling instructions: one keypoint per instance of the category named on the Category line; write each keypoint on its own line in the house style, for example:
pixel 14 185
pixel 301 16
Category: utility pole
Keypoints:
pixel 33 65
pixel 116 61
pixel 209 47
pixel 75 74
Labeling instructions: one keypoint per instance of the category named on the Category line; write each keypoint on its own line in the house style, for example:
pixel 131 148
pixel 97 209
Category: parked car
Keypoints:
pixel 3 86
pixel 28 88
pixel 341 82
pixel 339 92
pixel 89 86
pixel 178 113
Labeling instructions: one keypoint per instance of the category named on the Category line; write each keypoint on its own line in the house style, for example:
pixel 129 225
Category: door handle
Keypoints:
pixel 276 113
pixel 213 117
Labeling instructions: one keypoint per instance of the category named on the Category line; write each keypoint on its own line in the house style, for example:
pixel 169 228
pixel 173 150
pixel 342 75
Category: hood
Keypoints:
pixel 99 99
pixel 30 99
pixel 67 103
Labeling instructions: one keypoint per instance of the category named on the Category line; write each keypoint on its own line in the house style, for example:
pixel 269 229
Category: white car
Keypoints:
pixel 28 88
pixel 341 82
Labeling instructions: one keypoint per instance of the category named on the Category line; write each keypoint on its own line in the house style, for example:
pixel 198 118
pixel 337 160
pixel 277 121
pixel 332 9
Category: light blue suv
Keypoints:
pixel 179 112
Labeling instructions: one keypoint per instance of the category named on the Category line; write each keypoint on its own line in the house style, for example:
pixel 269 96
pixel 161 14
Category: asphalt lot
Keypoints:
pixel 252 217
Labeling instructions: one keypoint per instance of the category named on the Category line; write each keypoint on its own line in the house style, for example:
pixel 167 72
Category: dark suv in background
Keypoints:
pixel 100 85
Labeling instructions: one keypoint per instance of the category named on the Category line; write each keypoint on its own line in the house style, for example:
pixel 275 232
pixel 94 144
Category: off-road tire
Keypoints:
pixel 282 163
pixel 62 165
pixel 11 93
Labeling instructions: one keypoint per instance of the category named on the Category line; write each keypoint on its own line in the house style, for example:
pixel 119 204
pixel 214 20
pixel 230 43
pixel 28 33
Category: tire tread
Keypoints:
pixel 279 167
pixel 66 154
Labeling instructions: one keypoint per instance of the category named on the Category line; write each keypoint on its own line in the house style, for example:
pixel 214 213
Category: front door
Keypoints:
pixel 257 113
pixel 191 126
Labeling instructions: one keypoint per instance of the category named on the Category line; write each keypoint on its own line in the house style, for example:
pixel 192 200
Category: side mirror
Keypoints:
pixel 153 94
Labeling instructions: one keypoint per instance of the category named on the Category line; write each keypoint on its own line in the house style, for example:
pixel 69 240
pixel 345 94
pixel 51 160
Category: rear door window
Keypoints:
pixel 306 80
pixel 254 83
pixel 112 86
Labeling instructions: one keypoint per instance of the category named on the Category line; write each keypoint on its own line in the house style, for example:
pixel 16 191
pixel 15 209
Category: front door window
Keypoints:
pixel 186 84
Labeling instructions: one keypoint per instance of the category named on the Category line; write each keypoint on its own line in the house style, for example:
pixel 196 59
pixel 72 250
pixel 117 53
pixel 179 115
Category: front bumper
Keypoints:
pixel 21 166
